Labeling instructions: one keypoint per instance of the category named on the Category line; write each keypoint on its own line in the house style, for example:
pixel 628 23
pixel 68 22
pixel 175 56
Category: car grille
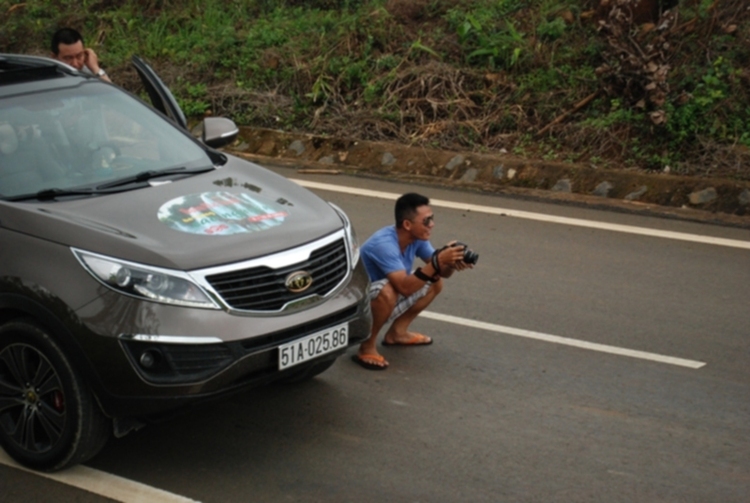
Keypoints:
pixel 264 289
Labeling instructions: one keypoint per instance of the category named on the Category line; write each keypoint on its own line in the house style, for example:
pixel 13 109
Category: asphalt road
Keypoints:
pixel 484 415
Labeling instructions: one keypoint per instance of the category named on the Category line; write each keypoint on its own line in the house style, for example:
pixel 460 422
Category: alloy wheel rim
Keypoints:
pixel 32 400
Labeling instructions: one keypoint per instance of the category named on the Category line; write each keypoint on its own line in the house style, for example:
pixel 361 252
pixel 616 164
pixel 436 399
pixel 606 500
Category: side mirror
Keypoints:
pixel 219 131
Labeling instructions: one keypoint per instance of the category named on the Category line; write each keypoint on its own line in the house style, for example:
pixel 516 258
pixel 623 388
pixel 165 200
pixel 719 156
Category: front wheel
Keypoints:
pixel 49 419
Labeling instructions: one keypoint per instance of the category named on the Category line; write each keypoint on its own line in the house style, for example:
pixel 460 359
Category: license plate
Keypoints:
pixel 313 345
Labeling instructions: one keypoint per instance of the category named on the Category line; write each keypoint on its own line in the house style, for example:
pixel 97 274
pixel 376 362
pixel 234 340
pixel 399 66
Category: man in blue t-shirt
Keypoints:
pixel 397 293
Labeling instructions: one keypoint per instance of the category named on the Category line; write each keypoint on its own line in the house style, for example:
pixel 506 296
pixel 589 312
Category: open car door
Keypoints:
pixel 216 131
pixel 160 95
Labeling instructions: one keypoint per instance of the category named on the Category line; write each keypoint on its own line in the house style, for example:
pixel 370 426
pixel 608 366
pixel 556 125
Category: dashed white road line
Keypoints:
pixel 578 222
pixel 104 484
pixel 556 339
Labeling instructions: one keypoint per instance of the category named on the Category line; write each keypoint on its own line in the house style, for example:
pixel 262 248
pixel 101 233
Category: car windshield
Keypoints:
pixel 86 136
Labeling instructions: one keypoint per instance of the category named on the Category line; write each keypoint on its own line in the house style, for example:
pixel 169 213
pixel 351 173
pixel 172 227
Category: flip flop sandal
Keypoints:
pixel 368 362
pixel 415 340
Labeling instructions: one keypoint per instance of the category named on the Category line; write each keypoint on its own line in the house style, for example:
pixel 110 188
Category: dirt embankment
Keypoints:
pixel 705 199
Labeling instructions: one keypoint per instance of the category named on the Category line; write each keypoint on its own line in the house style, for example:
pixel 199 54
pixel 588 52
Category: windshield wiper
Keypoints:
pixel 54 193
pixel 47 194
pixel 107 188
pixel 145 176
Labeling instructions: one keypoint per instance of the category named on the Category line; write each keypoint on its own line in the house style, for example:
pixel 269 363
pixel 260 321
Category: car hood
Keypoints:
pixel 236 212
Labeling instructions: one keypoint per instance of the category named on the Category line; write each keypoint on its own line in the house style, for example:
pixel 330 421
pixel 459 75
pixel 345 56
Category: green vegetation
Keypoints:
pixel 555 79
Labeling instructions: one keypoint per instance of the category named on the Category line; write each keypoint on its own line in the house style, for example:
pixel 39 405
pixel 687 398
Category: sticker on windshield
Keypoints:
pixel 221 213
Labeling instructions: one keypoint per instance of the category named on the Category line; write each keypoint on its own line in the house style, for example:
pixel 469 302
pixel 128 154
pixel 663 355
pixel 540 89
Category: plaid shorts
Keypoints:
pixel 402 303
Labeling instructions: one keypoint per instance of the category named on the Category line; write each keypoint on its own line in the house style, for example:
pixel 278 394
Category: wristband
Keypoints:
pixel 436 262
pixel 421 275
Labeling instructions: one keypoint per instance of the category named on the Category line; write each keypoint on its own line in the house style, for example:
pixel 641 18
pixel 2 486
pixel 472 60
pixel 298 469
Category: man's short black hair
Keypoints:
pixel 406 206
pixel 67 36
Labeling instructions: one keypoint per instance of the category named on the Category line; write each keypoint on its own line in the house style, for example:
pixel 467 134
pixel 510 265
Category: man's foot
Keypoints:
pixel 370 362
pixel 411 339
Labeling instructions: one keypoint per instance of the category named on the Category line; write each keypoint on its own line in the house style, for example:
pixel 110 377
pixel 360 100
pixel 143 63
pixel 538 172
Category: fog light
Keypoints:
pixel 149 359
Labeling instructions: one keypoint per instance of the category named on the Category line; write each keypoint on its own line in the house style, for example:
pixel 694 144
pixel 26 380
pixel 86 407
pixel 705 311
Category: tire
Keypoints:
pixel 49 419
pixel 309 372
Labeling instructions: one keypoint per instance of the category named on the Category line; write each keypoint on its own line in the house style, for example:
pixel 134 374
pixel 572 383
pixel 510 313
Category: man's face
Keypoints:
pixel 422 223
pixel 73 54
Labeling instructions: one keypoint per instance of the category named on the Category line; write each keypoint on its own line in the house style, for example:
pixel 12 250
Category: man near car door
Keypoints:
pixel 67 46
pixel 397 294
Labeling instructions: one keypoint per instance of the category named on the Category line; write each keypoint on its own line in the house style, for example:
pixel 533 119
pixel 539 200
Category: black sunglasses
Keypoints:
pixel 426 221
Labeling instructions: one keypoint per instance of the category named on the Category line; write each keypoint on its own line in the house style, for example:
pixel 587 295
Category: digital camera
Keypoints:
pixel 470 257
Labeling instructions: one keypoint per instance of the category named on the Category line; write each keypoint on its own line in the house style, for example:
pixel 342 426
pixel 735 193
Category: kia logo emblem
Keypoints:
pixel 298 281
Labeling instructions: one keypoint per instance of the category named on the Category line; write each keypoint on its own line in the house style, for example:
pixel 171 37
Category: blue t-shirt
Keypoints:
pixel 381 254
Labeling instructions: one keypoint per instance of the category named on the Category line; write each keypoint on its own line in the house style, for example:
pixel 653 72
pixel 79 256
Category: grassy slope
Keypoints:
pixel 543 78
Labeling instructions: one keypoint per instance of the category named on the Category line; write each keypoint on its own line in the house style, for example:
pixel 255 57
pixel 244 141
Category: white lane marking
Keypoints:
pixel 578 222
pixel 104 484
pixel 555 339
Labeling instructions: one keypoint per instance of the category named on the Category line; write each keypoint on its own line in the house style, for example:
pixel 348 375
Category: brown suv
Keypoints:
pixel 142 270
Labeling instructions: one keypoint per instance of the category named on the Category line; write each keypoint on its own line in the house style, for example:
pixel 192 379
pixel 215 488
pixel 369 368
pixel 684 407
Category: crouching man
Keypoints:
pixel 397 294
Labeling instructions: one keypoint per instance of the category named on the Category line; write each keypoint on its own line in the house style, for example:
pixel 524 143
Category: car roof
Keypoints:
pixel 23 70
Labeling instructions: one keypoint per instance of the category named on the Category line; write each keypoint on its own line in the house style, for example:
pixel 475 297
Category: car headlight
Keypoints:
pixel 149 283
pixel 351 236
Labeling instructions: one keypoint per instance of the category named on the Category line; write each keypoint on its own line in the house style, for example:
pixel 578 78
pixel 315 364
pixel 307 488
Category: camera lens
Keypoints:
pixel 470 257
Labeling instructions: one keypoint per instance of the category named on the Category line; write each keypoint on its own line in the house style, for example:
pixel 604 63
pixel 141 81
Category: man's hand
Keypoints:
pixel 451 258
pixel 92 63
pixel 91 60
pixel 461 265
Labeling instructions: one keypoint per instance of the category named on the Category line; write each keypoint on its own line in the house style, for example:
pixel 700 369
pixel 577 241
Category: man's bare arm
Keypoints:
pixel 447 260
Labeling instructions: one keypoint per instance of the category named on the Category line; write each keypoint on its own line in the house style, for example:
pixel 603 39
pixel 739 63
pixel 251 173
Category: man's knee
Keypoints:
pixel 386 299
pixel 437 286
